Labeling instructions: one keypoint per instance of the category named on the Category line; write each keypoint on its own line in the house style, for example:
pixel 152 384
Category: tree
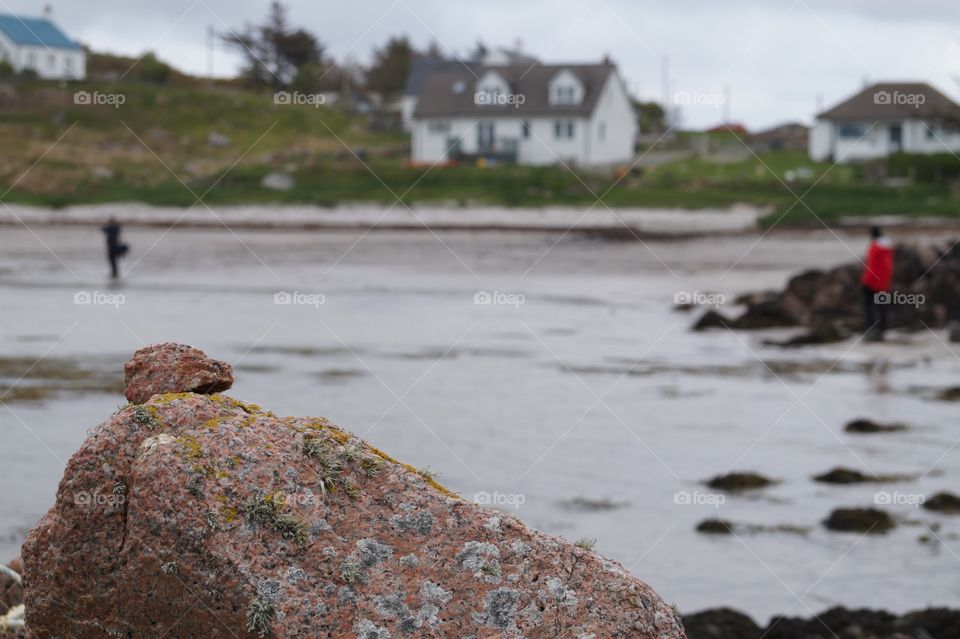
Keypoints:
pixel 391 66
pixel 274 51
pixel 650 116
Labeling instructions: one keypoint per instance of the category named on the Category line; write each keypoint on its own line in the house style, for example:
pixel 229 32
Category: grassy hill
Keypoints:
pixel 221 142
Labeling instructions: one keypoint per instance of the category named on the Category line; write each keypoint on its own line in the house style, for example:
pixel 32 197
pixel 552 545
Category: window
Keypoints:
pixel 51 60
pixel 929 127
pixel 563 129
pixel 851 130
pixel 32 60
pixel 564 94
pixel 525 130
pixel 438 126
pixel 68 63
pixel 602 131
pixel 485 136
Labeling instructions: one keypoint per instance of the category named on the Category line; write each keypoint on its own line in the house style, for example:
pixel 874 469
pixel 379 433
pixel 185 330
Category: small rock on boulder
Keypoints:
pixel 173 368
pixel 721 623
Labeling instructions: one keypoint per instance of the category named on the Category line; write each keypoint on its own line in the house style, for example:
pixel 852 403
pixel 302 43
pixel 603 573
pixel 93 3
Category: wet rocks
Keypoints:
pixel 943 503
pixel 200 515
pixel 721 623
pixel 715 527
pixel 951 394
pixel 829 301
pixel 736 482
pixel 724 623
pixel 173 368
pixel 860 520
pixel 845 476
pixel 712 319
pixel 864 426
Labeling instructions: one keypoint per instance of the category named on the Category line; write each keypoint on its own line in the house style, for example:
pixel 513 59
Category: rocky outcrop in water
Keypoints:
pixel 199 515
pixel 724 623
pixel 828 303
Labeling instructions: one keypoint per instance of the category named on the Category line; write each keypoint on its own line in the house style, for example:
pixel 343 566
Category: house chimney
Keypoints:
pixel 47 11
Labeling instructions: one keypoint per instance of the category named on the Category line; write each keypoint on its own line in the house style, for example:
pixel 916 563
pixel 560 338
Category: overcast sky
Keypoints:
pixel 778 57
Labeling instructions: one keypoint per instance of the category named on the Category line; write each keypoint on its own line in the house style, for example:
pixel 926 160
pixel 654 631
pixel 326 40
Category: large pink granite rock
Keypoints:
pixel 174 368
pixel 202 516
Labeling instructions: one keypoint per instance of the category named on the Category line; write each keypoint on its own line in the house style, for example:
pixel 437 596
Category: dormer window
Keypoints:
pixel 566 89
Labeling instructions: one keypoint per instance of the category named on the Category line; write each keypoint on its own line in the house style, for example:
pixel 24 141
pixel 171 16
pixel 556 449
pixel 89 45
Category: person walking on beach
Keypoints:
pixel 115 248
pixel 876 281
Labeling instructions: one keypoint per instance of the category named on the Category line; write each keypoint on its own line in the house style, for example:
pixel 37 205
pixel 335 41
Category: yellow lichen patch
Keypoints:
pixel 430 481
pixel 318 423
pixel 230 514
pixel 211 424
pixel 167 398
pixel 229 402
pixel 192 447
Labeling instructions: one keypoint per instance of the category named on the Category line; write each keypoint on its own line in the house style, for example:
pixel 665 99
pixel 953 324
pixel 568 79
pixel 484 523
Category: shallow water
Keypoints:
pixel 589 409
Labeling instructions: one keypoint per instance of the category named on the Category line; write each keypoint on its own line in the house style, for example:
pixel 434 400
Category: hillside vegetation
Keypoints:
pixel 169 144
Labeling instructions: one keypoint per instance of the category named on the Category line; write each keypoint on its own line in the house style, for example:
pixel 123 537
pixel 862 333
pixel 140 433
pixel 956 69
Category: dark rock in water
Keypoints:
pixel 869 426
pixel 860 520
pixel 818 335
pixel 734 482
pixel 768 313
pixel 833 297
pixel 715 527
pixel 951 394
pixel 712 319
pixel 720 623
pixel 953 330
pixel 845 476
pixel 936 623
pixel 835 623
pixel 943 503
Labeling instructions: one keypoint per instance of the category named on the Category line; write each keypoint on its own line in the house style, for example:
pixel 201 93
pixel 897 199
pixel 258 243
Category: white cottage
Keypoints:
pixel 39 45
pixel 907 117
pixel 532 114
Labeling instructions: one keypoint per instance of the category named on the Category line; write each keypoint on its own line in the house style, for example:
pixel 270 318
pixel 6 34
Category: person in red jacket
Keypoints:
pixel 876 281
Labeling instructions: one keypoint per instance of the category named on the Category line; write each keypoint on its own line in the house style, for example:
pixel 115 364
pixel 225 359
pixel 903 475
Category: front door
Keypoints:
pixel 896 138
pixel 485 133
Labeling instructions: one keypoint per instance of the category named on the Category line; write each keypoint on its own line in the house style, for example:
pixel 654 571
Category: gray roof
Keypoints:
pixel 423 67
pixel 438 97
pixel 895 101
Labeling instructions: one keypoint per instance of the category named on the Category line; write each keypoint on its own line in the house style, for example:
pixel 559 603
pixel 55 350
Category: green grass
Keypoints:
pixel 159 137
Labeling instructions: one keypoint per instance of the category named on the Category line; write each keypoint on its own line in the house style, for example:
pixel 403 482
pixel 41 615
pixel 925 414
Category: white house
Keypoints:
pixel 533 114
pixel 39 45
pixel 885 118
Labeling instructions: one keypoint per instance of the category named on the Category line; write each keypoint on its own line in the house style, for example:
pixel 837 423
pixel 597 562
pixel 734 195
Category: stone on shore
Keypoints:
pixel 865 426
pixel 736 482
pixel 943 503
pixel 860 520
pixel 203 516
pixel 174 368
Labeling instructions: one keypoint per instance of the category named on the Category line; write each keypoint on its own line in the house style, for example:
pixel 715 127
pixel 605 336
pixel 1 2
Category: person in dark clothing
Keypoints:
pixel 876 281
pixel 115 248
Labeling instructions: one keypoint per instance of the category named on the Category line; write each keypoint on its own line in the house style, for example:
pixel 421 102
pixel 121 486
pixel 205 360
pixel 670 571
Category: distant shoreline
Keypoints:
pixel 622 223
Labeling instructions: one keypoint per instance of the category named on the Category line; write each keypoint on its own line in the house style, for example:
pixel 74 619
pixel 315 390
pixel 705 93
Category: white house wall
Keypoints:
pixel 49 64
pixel 616 115
pixel 826 143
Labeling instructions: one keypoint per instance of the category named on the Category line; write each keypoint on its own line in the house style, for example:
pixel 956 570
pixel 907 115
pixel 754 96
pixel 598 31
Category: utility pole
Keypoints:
pixel 211 40
pixel 727 94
